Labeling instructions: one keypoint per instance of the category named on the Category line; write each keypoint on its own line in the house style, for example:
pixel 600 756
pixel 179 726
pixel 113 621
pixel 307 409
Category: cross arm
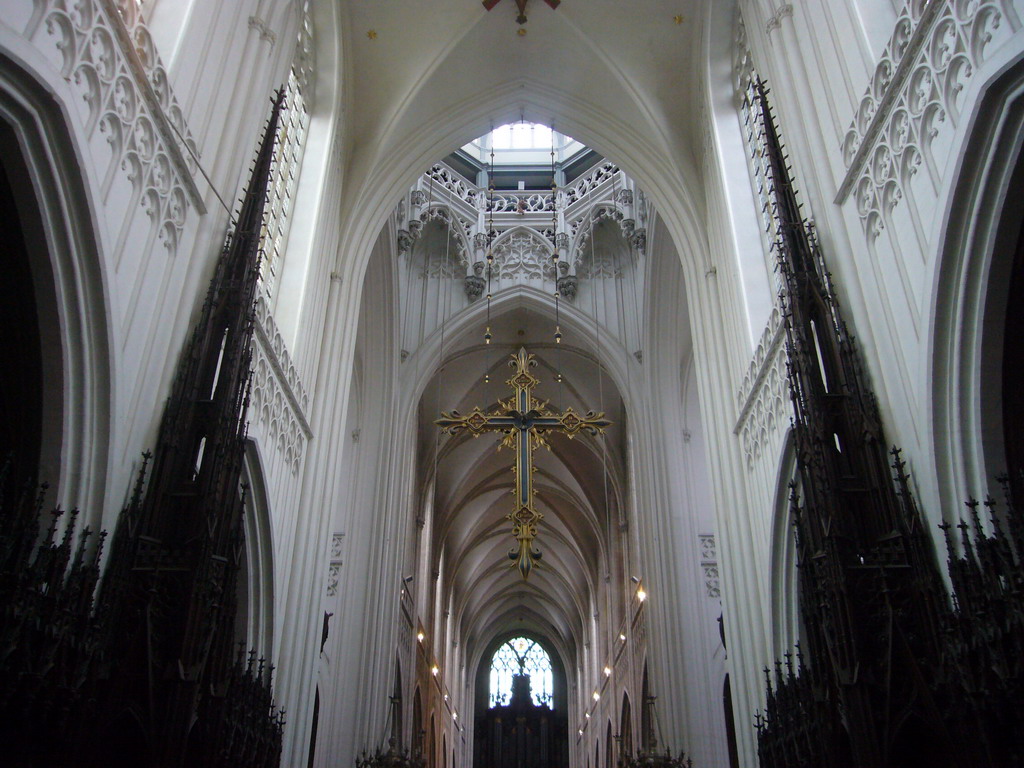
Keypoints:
pixel 476 421
pixel 572 423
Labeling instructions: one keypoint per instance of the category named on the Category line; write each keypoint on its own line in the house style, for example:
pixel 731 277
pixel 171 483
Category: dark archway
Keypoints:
pixel 1013 339
pixel 396 703
pixel 417 724
pixel 730 724
pixel 977 359
pixel 646 726
pixel 432 744
pixel 31 374
pixel 48 202
pixel 313 729
pixel 517 730
pixel 626 728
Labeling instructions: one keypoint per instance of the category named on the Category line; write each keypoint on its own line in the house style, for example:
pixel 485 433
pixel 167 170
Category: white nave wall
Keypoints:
pixel 157 226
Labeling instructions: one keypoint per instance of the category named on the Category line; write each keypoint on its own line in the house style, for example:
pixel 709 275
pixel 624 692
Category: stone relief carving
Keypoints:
pixel 774 21
pixel 107 53
pixel 568 286
pixel 266 33
pixel 916 92
pixel 762 398
pixel 708 548
pixel 523 254
pixel 639 240
pixel 450 181
pixel 709 565
pixel 336 541
pixel 523 202
pixel 334 568
pixel 590 182
pixel 474 286
pixel 405 241
pixel 279 401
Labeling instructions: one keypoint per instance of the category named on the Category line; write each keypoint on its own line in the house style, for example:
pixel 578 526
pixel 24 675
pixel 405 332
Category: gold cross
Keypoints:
pixel 521 5
pixel 524 420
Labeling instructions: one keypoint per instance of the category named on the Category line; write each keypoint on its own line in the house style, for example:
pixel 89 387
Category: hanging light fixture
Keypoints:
pixel 489 266
pixel 554 235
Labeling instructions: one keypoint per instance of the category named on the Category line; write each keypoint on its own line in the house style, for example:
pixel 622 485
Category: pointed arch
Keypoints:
pixel 626 727
pixel 971 289
pixel 254 621
pixel 646 726
pixel 521 254
pixel 730 723
pixel 432 744
pixel 396 696
pixel 40 160
pixel 784 586
pixel 417 723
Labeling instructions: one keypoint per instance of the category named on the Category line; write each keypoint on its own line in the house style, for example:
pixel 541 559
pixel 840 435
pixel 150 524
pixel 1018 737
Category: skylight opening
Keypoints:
pixel 521 136
pixel 523 143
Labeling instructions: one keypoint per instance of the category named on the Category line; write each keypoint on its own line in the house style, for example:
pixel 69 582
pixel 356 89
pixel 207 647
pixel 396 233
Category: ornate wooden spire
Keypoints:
pixel 871 596
pixel 177 548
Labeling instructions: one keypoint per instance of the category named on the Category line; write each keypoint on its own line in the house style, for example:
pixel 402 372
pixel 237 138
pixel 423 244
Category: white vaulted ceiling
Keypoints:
pixel 578 484
pixel 422 78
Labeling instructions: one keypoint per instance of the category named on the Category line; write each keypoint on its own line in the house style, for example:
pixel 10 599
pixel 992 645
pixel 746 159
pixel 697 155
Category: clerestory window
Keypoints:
pixel 291 141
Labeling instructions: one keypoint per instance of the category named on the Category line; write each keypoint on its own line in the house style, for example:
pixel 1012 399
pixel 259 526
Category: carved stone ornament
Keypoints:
pixel 279 399
pixel 106 51
pixel 639 240
pixel 917 92
pixel 567 286
pixel 405 241
pixel 523 255
pixel 474 286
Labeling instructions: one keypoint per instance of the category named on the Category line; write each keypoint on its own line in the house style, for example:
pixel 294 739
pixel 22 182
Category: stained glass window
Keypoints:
pixel 520 656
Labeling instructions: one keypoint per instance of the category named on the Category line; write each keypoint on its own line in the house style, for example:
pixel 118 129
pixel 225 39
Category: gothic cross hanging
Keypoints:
pixel 524 420
pixel 521 5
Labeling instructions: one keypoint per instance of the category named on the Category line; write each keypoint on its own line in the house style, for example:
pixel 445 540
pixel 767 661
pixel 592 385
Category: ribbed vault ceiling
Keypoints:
pixel 578 484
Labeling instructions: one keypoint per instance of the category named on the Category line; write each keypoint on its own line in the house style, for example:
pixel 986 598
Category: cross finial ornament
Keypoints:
pixel 524 420
pixel 521 5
